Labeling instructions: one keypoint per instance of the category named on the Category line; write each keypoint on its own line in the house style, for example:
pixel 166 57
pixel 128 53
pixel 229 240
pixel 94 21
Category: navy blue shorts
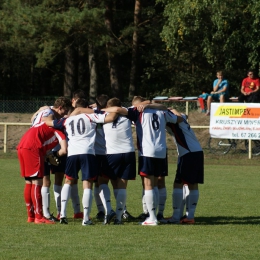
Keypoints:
pixel 152 166
pixel 102 165
pixel 84 162
pixel 190 168
pixel 122 165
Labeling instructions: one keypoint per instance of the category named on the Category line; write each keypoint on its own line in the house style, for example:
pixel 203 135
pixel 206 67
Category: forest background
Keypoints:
pixel 125 47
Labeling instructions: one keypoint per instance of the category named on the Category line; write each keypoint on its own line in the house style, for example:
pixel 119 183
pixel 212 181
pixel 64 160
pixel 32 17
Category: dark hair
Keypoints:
pixel 81 102
pixel 79 93
pixel 251 70
pixel 101 101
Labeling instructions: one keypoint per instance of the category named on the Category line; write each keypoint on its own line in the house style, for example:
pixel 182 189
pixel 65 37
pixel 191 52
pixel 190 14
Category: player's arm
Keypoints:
pixel 118 110
pixel 156 106
pixel 142 103
pixel 110 117
pixel 48 120
pixel 176 115
pixel 81 110
pixel 39 110
pixel 63 148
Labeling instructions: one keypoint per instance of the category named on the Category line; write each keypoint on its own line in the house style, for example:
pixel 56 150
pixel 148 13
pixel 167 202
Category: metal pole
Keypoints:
pixel 5 137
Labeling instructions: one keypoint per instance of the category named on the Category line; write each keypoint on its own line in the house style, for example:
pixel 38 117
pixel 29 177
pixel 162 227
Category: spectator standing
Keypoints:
pixel 250 88
pixel 220 91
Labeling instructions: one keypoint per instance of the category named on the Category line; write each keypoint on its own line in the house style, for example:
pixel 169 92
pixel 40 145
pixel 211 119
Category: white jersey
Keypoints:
pixel 38 118
pixel 118 135
pixel 184 137
pixel 44 113
pixel 150 130
pixel 100 142
pixel 81 132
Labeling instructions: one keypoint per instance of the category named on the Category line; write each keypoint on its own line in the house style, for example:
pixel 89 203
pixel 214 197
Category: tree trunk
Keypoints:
pixel 134 61
pixel 112 57
pixel 70 73
pixel 93 84
pixel 83 69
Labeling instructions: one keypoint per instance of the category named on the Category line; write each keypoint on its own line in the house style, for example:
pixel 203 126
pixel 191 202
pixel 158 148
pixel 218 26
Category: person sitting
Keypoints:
pixel 250 89
pixel 220 91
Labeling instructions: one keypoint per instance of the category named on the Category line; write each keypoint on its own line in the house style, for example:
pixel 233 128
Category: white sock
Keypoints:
pixel 120 203
pixel 177 197
pixel 104 194
pixel 145 210
pixel 149 199
pixel 57 196
pixel 162 200
pixel 65 195
pixel 45 191
pixel 74 194
pixel 183 203
pixel 156 198
pixel 193 201
pixel 98 201
pixel 187 192
pixel 115 193
pixel 87 202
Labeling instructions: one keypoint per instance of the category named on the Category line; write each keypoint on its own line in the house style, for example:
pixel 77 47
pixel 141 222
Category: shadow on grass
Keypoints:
pixel 218 220
pixel 226 220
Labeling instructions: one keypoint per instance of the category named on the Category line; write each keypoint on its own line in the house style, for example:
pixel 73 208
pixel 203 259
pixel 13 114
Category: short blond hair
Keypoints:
pixel 137 99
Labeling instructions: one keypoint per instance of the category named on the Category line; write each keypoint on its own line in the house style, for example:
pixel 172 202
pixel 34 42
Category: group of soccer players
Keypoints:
pixel 99 142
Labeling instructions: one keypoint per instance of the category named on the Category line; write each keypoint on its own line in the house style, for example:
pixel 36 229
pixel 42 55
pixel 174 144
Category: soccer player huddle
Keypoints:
pixel 72 136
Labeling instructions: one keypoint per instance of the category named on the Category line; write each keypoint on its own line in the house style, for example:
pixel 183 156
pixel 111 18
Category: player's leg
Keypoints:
pixel 100 208
pixel 209 100
pixel 126 171
pixel 45 191
pixel 101 160
pixel 162 197
pixel 193 198
pixel 65 195
pixel 145 214
pixel 58 180
pixel 185 203
pixel 104 193
pixel 89 174
pixel 32 162
pixel 74 194
pixel 72 169
pixel 193 173
pixel 87 201
pixel 59 173
pixel 177 198
pixel 150 199
pixel 28 200
pixel 120 200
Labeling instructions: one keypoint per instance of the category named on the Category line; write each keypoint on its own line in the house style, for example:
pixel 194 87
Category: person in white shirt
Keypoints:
pixel 190 170
pixel 151 135
pixel 81 132
pixel 121 157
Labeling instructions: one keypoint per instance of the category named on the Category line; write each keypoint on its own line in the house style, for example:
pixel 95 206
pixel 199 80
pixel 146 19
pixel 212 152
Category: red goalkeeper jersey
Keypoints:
pixel 41 137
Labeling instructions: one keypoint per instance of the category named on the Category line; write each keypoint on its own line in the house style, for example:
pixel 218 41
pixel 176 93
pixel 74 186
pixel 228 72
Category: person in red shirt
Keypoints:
pixel 250 89
pixel 32 149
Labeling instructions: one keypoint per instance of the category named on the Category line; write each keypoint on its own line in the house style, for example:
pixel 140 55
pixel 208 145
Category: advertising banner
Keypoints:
pixel 235 120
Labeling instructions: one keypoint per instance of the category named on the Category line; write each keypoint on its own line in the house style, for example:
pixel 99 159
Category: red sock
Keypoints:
pixel 37 200
pixel 28 200
pixel 201 101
